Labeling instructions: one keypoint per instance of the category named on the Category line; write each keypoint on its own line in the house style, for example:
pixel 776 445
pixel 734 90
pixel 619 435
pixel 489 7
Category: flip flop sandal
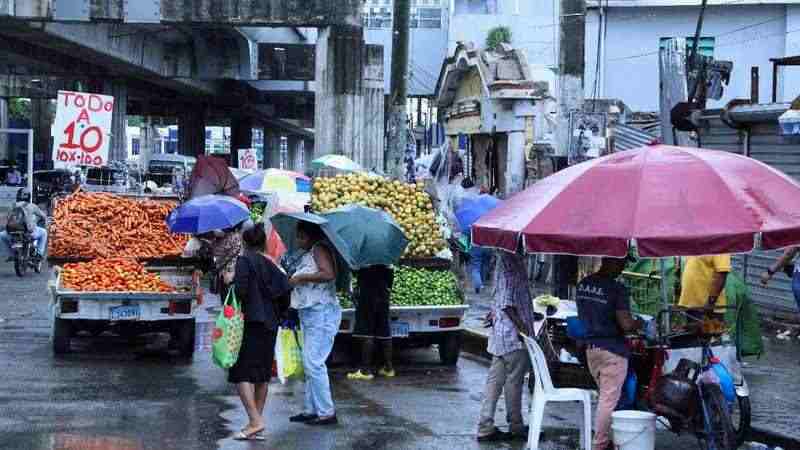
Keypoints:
pixel 253 436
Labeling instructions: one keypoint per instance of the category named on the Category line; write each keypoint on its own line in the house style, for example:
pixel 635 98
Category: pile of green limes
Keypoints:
pixel 419 287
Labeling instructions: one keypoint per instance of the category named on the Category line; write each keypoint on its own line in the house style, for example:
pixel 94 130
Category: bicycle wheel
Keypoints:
pixel 719 432
pixel 740 417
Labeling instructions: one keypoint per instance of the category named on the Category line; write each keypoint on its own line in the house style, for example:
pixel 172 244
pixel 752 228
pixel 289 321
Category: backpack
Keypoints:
pixel 16 221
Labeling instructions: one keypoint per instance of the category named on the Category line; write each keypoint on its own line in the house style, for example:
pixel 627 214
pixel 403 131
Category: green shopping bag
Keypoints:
pixel 228 333
pixel 289 351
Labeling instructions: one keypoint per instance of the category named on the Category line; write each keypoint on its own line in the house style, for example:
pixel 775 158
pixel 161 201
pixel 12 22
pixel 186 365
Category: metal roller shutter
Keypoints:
pixel 768 146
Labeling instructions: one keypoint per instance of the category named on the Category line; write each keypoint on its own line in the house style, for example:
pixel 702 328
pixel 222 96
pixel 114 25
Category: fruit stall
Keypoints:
pixel 427 306
pixel 117 267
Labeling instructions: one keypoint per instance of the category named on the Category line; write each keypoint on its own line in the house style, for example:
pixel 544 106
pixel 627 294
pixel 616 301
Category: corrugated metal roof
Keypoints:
pixel 628 138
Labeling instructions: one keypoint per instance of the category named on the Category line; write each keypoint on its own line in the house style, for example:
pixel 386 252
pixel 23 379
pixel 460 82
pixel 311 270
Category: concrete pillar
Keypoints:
pixel 241 137
pixel 42 124
pixel 119 121
pixel 339 115
pixel 192 132
pixel 515 163
pixel 3 124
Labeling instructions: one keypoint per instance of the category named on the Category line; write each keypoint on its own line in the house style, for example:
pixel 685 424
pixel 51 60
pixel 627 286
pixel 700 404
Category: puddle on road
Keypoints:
pixel 66 441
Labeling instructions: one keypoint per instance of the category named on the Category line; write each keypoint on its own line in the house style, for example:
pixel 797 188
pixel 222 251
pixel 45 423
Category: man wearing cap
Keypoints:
pixel 604 309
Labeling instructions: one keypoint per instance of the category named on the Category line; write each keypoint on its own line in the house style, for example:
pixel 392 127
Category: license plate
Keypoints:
pixel 127 312
pixel 400 329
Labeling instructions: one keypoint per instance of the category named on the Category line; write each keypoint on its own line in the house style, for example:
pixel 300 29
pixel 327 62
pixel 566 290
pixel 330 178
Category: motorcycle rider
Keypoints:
pixel 32 215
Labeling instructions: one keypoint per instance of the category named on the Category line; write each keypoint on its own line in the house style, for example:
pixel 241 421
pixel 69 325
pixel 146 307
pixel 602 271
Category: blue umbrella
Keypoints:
pixel 472 208
pixel 207 213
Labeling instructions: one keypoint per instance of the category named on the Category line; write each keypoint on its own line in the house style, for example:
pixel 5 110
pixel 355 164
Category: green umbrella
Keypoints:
pixel 286 226
pixel 339 162
pixel 371 235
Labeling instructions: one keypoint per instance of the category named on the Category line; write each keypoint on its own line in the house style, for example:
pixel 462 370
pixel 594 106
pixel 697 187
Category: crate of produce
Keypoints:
pixel 117 278
pixel 101 225
pixel 418 287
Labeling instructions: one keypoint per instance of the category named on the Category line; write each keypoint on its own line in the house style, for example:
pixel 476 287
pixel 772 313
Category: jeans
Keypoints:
pixel 609 371
pixel 320 323
pixel 507 376
pixel 477 259
pixel 39 237
pixel 796 288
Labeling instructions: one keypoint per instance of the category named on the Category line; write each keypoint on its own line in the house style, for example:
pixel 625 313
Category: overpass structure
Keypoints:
pixel 200 61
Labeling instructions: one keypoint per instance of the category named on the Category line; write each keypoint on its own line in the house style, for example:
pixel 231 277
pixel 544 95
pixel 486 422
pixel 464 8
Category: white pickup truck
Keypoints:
pixel 422 325
pixel 128 313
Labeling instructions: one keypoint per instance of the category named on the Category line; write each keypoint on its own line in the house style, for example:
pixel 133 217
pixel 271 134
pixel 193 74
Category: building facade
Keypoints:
pixel 629 34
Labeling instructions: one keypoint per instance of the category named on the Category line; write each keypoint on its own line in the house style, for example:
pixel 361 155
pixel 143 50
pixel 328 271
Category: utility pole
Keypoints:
pixel 571 65
pixel 398 126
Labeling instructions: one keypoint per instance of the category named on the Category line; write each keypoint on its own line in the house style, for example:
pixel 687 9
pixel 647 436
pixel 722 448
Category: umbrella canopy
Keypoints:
pixel 211 175
pixel 293 189
pixel 668 201
pixel 339 162
pixel 207 213
pixel 239 173
pixel 472 208
pixel 286 226
pixel 372 236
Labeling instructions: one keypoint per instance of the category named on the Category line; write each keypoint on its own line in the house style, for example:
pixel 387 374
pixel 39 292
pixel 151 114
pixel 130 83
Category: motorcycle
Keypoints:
pixel 700 395
pixel 24 253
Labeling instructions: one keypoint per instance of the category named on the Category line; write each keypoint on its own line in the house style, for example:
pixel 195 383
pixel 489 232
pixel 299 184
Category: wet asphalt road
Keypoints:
pixel 110 394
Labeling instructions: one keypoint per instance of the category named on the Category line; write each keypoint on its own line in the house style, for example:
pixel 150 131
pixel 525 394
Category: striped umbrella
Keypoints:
pixel 293 189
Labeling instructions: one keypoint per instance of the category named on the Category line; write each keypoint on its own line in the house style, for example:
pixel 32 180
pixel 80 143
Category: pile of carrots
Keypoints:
pixel 101 225
pixel 111 275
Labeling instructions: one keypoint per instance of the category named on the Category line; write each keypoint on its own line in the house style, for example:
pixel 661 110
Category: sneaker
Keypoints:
pixel 332 420
pixel 497 435
pixel 387 373
pixel 361 376
pixel 302 418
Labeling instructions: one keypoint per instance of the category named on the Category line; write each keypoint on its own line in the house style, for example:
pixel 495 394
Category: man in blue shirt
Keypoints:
pixel 604 309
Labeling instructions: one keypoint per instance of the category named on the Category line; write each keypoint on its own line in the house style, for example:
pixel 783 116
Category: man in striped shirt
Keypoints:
pixel 511 315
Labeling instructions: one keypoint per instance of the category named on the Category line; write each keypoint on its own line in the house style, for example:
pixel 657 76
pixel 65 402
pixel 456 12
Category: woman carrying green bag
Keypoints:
pixel 262 289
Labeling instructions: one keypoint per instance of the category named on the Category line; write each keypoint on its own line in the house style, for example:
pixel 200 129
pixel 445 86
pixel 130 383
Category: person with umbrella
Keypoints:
pixel 314 298
pixel 261 287
pixel 374 242
pixel 373 321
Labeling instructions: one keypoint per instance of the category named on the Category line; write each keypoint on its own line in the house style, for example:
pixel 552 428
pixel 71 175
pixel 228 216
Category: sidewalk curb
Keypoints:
pixel 474 342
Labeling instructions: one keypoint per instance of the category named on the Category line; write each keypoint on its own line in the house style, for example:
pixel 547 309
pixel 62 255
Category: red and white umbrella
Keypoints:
pixel 668 201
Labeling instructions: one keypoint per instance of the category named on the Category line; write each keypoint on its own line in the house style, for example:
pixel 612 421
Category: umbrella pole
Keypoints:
pixel 662 266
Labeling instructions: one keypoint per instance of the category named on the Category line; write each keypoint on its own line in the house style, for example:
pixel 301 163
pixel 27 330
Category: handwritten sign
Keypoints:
pixel 81 130
pixel 247 159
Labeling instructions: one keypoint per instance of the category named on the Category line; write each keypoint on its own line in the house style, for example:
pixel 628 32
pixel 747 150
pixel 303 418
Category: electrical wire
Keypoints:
pixel 726 33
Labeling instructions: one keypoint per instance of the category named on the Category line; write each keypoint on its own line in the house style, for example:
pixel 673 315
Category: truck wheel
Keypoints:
pixel 184 337
pixel 62 332
pixel 450 348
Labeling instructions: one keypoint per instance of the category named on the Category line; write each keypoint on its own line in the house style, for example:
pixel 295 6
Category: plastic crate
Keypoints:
pixel 644 291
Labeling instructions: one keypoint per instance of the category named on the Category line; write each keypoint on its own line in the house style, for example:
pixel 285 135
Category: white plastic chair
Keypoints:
pixel 544 392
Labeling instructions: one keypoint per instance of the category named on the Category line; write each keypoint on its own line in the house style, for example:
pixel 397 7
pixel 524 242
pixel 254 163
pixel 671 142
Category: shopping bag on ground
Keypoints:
pixel 289 354
pixel 228 332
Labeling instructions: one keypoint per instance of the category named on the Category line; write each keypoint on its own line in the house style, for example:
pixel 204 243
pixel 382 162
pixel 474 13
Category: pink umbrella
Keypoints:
pixel 668 201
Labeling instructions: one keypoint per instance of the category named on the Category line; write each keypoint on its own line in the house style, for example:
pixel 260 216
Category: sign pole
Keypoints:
pixel 30 164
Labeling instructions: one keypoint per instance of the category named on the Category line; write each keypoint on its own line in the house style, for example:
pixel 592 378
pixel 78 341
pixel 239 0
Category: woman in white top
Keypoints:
pixel 314 297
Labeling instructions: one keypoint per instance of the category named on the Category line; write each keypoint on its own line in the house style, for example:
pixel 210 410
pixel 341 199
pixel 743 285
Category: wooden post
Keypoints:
pixel 754 85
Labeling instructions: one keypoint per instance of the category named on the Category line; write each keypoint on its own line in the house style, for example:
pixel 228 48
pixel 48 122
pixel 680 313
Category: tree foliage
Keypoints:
pixel 498 35
pixel 19 109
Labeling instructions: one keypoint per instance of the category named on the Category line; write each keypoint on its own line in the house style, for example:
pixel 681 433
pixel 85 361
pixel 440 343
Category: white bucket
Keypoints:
pixel 634 430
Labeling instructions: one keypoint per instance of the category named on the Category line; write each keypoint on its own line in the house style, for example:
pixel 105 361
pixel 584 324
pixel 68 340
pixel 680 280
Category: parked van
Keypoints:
pixel 167 168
